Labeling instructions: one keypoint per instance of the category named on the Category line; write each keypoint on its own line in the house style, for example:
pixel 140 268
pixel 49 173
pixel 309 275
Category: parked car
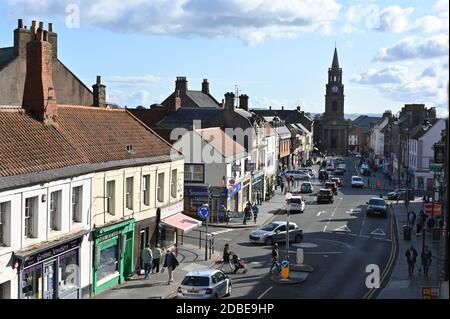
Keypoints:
pixel 398 193
pixel 376 205
pixel 205 284
pixel 296 204
pixel 298 175
pixel 342 166
pixel 276 232
pixel 306 187
pixel 332 186
pixel 324 195
pixel 337 181
pixel 357 182
pixel 339 171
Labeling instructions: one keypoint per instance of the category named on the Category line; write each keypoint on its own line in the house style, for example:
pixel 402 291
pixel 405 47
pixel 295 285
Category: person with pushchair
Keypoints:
pixel 275 258
pixel 226 257
pixel 238 264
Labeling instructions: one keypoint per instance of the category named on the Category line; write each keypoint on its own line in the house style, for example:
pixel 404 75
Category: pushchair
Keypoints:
pixel 238 263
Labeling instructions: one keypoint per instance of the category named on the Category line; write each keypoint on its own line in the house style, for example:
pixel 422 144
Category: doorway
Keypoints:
pixel 49 291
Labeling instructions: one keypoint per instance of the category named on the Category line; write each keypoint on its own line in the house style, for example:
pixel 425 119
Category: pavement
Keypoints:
pixel 400 285
pixel 156 287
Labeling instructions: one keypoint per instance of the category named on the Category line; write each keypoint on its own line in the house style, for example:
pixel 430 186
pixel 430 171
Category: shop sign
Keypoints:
pixel 52 252
pixel 109 236
pixel 196 191
pixel 246 183
pixel 436 209
pixel 234 189
pixel 219 191
pixel 231 181
pixel 236 168
pixel 172 209
pixel 250 167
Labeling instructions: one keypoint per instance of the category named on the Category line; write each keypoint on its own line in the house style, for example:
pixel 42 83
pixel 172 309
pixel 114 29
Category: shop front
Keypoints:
pixel 218 202
pixel 233 197
pixel 113 252
pixel 246 185
pixel 144 234
pixel 258 187
pixel 51 271
pixel 195 196
pixel 174 223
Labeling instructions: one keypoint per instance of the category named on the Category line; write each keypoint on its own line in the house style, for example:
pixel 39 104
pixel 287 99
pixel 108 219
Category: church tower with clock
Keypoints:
pixel 334 97
pixel 331 128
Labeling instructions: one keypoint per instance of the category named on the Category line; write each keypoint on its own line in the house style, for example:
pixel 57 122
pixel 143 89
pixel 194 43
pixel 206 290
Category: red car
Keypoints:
pixel 332 186
pixel 337 181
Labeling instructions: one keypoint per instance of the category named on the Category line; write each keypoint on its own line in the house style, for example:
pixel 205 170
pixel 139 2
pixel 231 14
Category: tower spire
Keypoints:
pixel 335 64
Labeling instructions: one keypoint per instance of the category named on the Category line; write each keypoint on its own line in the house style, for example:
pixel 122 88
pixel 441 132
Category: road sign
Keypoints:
pixel 203 211
pixel 285 269
pixel 436 209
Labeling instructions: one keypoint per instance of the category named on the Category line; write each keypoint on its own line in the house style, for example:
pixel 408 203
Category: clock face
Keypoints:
pixel 335 89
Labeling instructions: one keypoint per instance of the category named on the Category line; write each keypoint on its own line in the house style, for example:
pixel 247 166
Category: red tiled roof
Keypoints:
pixel 82 135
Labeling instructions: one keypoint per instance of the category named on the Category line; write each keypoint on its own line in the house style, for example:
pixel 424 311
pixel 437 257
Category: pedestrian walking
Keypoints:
pixel 255 211
pixel 282 187
pixel 420 222
pixel 157 254
pixel 274 259
pixel 170 262
pixel 226 257
pixel 411 218
pixel 147 259
pixel 426 256
pixel 411 258
pixel 247 213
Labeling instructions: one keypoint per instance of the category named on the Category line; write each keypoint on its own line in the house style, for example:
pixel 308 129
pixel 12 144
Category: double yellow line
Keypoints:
pixel 390 262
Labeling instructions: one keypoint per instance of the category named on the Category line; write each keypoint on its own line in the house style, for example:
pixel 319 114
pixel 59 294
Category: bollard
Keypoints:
pixel 300 256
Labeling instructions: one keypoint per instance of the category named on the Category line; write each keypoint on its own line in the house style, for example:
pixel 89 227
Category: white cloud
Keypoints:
pixel 129 98
pixel 133 80
pixel 441 8
pixel 415 48
pixel 431 24
pixel 393 19
pixel 401 84
pixel 252 21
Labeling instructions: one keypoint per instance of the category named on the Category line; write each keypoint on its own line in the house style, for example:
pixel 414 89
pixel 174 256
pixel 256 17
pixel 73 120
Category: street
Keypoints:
pixel 340 242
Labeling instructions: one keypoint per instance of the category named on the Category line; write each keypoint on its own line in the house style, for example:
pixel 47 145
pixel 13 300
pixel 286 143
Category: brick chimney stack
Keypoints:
pixel 99 91
pixel 205 86
pixel 176 101
pixel 39 94
pixel 243 101
pixel 21 37
pixel 181 84
pixel 229 101
pixel 53 39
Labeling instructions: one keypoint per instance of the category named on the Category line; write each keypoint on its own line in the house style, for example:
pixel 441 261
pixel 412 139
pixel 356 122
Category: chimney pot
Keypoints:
pixel 181 84
pixel 50 27
pixel 33 24
pixel 99 93
pixel 243 101
pixel 205 86
pixel 45 36
pixel 41 25
pixel 229 101
pixel 20 24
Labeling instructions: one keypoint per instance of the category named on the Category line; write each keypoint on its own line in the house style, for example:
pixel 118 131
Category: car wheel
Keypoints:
pixel 269 241
pixel 298 239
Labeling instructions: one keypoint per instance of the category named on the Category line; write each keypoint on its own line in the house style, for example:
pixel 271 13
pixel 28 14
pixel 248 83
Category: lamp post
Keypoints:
pixel 425 126
pixel 288 200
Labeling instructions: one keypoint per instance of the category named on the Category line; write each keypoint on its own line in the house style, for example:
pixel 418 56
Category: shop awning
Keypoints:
pixel 181 222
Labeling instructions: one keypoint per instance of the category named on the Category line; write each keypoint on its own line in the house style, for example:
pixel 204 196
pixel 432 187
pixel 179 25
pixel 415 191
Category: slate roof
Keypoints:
pixel 150 116
pixel 419 131
pixel 6 56
pixel 364 121
pixel 289 116
pixel 202 99
pixel 185 116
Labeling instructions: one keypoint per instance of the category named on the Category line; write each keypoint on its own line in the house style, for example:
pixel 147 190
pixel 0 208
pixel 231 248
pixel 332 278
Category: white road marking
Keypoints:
pixel 222 231
pixel 343 228
pixel 325 228
pixel 321 212
pixel 324 253
pixel 378 231
pixel 262 295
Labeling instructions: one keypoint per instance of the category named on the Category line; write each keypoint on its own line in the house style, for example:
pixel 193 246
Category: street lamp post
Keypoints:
pixel 425 126
pixel 288 201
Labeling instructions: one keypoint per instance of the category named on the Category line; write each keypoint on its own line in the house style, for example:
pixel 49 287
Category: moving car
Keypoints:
pixel 376 206
pixel 337 181
pixel 325 195
pixel 205 284
pixel 365 170
pixel 342 166
pixel 306 187
pixel 298 175
pixel 339 171
pixel 358 155
pixel 332 186
pixel 296 204
pixel 398 193
pixel 276 232
pixel 323 174
pixel 357 182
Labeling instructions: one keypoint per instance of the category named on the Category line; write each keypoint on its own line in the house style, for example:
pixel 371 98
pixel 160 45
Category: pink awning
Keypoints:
pixel 181 222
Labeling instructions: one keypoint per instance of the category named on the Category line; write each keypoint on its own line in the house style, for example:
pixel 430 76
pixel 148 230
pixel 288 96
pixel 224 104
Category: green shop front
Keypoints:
pixel 113 251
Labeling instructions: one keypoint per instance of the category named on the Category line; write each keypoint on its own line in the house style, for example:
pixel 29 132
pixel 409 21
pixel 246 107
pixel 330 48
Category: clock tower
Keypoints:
pixel 334 97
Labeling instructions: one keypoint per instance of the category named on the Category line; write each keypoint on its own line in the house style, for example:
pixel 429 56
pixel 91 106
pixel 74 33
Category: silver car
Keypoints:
pixel 276 232
pixel 205 284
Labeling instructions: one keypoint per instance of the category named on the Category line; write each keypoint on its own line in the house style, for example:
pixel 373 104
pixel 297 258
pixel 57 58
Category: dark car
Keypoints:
pixel 376 206
pixel 323 174
pixel 399 193
pixel 337 181
pixel 332 186
pixel 325 195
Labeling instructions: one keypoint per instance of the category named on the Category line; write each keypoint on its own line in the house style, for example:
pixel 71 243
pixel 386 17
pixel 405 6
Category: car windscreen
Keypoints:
pixel 269 227
pixel 324 192
pixel 295 201
pixel 195 281
pixel 377 202
pixel 356 179
pixel 304 185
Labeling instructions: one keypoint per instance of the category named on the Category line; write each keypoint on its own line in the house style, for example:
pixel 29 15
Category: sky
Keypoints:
pixel 276 51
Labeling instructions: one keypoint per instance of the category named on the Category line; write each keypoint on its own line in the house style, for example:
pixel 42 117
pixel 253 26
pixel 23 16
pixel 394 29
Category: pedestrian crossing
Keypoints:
pixel 222 231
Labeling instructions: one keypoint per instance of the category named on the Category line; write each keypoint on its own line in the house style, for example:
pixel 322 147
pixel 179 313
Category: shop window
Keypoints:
pixel 110 197
pixel 109 262
pixel 161 187
pixel 77 197
pixel 30 215
pixel 174 183
pixel 32 282
pixel 68 272
pixel 55 210
pixel 129 192
pixel 5 217
pixel 146 189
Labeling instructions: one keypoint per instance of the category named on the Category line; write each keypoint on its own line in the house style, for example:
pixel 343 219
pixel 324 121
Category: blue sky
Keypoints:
pixel 276 51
